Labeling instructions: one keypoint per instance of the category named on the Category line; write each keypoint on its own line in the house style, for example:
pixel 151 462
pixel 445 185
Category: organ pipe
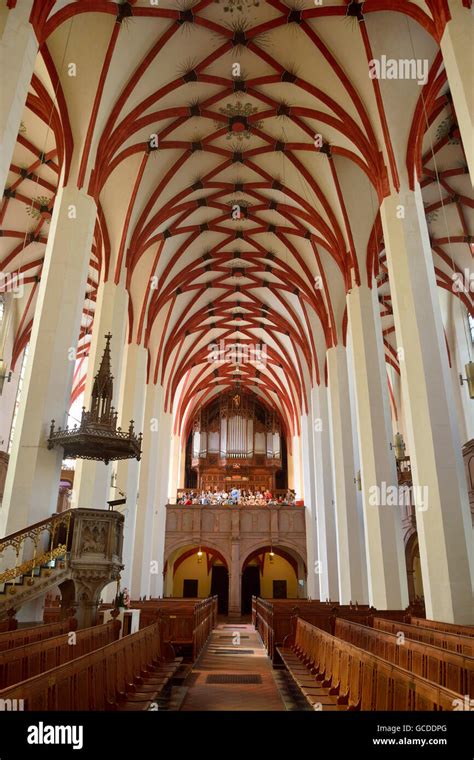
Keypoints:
pixel 240 422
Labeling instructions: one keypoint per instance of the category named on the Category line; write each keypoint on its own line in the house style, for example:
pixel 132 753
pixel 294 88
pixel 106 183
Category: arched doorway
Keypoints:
pixel 197 572
pixel 272 572
pixel 250 587
pixel 220 586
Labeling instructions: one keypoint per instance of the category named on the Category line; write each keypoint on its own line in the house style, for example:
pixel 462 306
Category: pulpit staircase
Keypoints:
pixel 82 546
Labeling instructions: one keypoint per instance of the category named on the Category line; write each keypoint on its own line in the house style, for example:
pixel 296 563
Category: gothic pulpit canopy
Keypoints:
pixel 97 436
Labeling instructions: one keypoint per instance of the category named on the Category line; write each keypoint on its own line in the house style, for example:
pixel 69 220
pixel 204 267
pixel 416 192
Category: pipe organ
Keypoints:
pixel 236 441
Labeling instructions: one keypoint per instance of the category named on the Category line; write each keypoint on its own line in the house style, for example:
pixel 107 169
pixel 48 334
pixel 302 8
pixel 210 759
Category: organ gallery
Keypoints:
pixel 237 442
pixel 236 373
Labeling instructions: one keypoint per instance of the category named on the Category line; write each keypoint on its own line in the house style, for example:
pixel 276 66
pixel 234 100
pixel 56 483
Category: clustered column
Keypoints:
pixel 31 487
pixel 382 523
pixel 442 509
pixel 349 548
pixel 18 50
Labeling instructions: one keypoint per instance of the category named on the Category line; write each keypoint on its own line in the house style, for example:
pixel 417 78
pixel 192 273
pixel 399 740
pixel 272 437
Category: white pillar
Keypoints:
pixel 442 514
pixel 10 387
pixel 92 479
pixel 182 466
pixel 461 350
pixel 18 50
pixel 31 488
pixel 162 465
pixel 349 550
pixel 386 569
pixel 297 466
pixel 325 509
pixel 457 48
pixel 307 461
pixel 131 407
pixel 175 462
pixel 147 491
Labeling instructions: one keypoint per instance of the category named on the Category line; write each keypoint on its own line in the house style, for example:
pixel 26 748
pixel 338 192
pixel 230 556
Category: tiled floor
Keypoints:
pixel 214 660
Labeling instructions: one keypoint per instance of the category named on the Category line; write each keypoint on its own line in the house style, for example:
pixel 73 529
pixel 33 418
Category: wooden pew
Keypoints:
pixel 23 636
pixel 450 641
pixel 355 678
pixel 186 623
pixel 460 630
pixel 8 625
pixel 128 674
pixel 274 618
pixel 23 662
pixel 451 669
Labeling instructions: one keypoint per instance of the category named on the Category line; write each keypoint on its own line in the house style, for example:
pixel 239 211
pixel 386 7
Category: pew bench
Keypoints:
pixel 128 674
pixel 23 662
pixel 357 679
pixel 441 666
pixel 22 636
pixel 316 695
pixel 460 630
pixel 451 641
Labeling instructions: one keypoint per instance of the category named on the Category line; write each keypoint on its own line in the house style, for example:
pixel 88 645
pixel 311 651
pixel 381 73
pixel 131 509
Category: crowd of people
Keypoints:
pixel 235 496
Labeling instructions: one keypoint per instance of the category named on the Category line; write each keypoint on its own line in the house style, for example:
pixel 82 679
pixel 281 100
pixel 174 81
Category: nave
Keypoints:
pixel 236 357
pixel 184 658
pixel 233 653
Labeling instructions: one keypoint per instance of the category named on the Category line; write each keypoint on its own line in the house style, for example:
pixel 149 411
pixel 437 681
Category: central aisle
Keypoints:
pixel 243 664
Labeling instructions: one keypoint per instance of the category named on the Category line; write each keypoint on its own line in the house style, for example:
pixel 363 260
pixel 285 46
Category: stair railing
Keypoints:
pixel 47 540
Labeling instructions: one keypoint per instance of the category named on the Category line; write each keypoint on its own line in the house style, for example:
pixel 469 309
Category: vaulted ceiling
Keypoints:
pixel 220 139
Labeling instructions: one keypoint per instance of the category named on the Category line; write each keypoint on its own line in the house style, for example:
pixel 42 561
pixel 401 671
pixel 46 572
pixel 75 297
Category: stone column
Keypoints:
pixel 18 50
pixel 10 387
pixel 131 407
pixel 175 462
pixel 387 579
pixel 310 506
pixel 456 47
pixel 147 489
pixel 31 488
pixel 442 509
pixel 92 479
pixel 349 550
pixel 325 509
pixel 162 469
pixel 235 576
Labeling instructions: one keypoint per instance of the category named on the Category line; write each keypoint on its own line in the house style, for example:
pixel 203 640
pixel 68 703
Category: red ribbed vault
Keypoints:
pixel 219 187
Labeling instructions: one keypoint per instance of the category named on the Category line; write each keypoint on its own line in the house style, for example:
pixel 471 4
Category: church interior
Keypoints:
pixel 236 356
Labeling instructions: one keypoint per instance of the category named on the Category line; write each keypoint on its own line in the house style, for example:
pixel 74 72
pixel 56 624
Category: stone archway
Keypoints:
pixel 274 560
pixel 204 564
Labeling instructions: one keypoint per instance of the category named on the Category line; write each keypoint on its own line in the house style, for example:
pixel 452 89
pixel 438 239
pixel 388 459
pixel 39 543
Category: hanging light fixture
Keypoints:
pixel 199 555
pixel 97 436
pixel 469 379
pixel 271 555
